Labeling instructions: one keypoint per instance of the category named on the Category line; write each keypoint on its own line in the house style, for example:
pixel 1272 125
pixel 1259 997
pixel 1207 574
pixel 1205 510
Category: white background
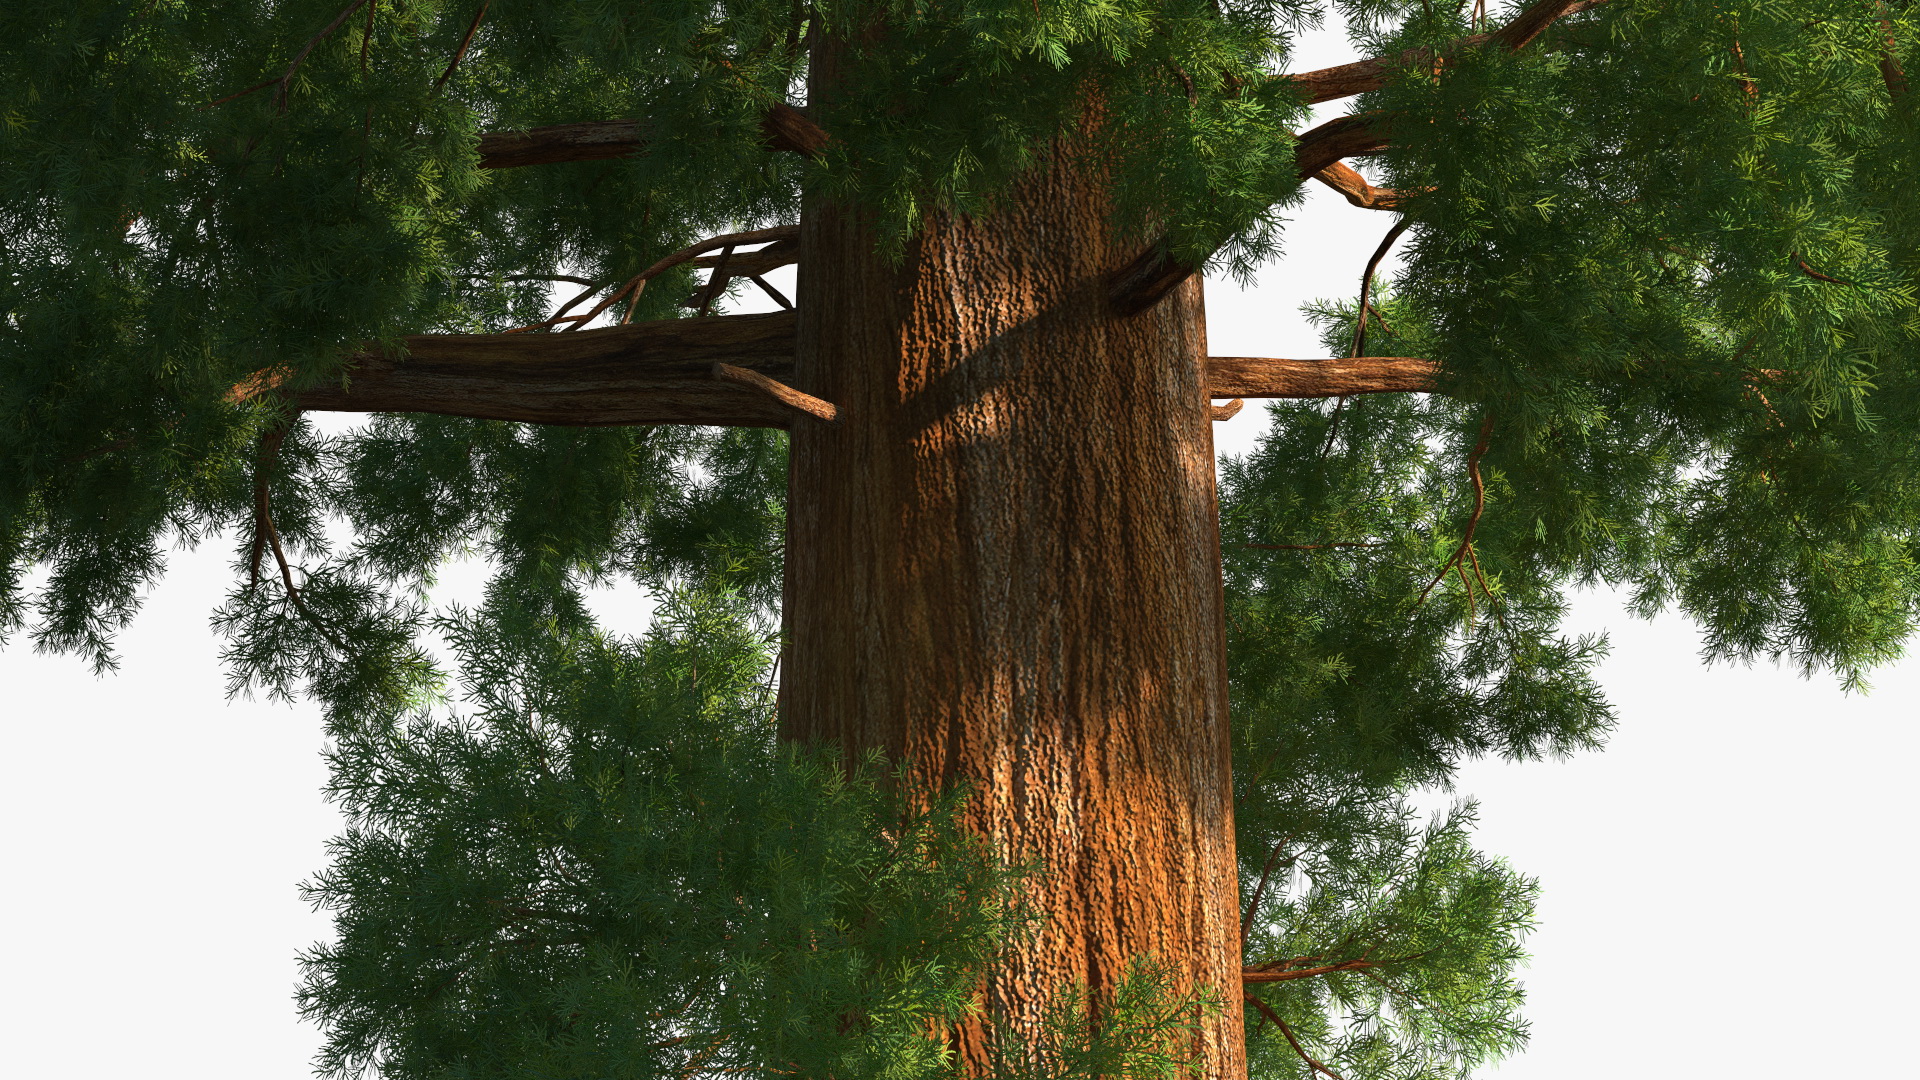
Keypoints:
pixel 1723 885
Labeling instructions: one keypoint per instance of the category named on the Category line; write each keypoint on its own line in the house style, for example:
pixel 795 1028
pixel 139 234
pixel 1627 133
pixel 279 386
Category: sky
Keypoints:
pixel 1725 886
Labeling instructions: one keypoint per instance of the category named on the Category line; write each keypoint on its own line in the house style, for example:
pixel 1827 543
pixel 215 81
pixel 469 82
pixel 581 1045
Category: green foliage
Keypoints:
pixel 1416 935
pixel 607 867
pixel 1665 257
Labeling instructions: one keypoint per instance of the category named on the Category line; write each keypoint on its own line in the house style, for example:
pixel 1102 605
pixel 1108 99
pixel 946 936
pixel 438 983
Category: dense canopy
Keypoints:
pixel 1660 257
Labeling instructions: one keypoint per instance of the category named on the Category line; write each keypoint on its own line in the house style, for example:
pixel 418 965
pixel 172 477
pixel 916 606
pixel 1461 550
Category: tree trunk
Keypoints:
pixel 1003 569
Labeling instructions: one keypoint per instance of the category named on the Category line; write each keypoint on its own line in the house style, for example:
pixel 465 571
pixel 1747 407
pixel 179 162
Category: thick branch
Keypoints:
pixel 785 127
pixel 1271 377
pixel 1341 137
pixel 1348 182
pixel 645 373
pixel 664 373
pixel 1346 80
pixel 1154 273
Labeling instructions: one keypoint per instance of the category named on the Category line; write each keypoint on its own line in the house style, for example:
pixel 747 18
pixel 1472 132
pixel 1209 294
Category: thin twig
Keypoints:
pixel 561 316
pixel 286 81
pixel 1817 275
pixel 461 52
pixel 1254 975
pixel 1267 1011
pixel 268 457
pixel 1360 324
pixel 1314 547
pixel 1366 284
pixel 1253 905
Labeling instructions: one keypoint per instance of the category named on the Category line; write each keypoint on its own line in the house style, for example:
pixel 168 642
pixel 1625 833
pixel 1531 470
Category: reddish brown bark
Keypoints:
pixel 647 373
pixel 1003 569
pixel 1274 377
pixel 664 373
pixel 785 128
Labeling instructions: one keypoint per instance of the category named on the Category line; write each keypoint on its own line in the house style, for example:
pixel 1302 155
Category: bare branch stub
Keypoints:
pixel 824 411
pixel 1228 411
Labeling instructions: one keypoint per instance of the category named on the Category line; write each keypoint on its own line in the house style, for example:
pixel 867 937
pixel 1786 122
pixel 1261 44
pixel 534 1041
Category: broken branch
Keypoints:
pixel 643 373
pixel 779 391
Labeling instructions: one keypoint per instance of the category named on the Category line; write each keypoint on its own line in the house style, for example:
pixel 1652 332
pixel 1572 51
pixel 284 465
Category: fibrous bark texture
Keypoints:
pixel 1003 571
pixel 646 373
pixel 1273 377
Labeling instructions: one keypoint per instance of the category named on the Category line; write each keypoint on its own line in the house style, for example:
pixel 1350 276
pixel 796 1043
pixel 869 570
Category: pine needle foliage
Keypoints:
pixel 1664 256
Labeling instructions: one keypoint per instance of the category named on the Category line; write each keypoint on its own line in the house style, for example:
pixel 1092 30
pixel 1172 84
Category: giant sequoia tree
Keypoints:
pixel 1655 326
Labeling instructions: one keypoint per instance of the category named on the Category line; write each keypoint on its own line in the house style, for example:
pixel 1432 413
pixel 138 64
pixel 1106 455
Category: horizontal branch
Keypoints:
pixel 784 128
pixel 1272 377
pixel 644 373
pixel 1249 976
pixel 729 370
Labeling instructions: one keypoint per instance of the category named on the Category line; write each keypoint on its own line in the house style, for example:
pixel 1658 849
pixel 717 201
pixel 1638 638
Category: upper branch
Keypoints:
pixel 1346 80
pixel 783 126
pixel 1272 377
pixel 730 370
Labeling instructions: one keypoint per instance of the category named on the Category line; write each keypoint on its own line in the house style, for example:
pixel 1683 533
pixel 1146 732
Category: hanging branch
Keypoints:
pixel 1479 504
pixel 286 81
pixel 1146 279
pixel 1366 286
pixel 1359 345
pixel 266 535
pixel 1267 1011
